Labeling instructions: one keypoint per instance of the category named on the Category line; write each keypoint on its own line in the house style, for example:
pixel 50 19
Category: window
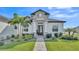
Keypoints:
pixel 55 28
pixel 40 15
pixel 15 27
pixel 26 30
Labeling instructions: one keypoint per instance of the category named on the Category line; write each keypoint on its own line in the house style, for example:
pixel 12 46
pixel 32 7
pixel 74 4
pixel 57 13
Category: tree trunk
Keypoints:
pixel 20 31
pixel 73 34
pixel 69 33
pixel 17 29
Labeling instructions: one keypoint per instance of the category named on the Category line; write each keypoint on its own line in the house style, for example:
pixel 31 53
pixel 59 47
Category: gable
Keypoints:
pixel 40 11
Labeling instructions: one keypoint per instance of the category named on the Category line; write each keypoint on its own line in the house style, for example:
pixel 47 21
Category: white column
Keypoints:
pixel 34 28
pixel 45 29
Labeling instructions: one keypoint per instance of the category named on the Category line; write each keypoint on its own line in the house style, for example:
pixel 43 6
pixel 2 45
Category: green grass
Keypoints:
pixel 76 35
pixel 19 46
pixel 62 45
pixel 28 46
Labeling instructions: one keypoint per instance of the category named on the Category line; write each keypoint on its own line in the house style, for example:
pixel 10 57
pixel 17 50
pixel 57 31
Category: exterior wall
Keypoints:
pixel 50 26
pixel 30 29
pixel 8 31
pixel 2 26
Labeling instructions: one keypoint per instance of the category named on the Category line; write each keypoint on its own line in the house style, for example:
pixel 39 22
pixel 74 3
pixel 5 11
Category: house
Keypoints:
pixel 42 25
pixel 5 29
pixel 77 29
pixel 3 23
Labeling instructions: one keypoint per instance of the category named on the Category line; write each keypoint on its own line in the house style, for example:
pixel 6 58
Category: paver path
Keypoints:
pixel 40 44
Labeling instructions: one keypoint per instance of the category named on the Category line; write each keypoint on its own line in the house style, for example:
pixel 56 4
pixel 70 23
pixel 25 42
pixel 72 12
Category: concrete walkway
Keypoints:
pixel 40 44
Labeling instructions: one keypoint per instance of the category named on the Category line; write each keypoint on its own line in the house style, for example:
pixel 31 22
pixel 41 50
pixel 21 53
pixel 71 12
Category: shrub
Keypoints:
pixel 53 38
pixel 13 36
pixel 56 35
pixel 17 36
pixel 60 34
pixel 75 38
pixel 1 43
pixel 12 40
pixel 29 36
pixel 2 40
pixel 23 34
pixel 48 35
pixel 69 38
pixel 25 39
pixel 18 40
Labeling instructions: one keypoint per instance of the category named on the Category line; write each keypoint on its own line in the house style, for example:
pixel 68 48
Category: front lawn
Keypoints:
pixel 62 45
pixel 25 43
pixel 28 46
pixel 16 46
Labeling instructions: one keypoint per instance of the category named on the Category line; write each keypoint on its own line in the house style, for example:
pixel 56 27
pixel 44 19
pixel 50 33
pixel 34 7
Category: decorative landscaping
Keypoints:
pixel 16 43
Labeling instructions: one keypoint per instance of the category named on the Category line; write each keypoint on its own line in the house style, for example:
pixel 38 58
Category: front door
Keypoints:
pixel 40 30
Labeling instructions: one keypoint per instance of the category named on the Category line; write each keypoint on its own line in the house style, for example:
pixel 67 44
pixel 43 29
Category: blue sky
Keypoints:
pixel 68 14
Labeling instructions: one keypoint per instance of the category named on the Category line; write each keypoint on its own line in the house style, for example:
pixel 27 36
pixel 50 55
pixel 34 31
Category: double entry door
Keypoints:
pixel 40 29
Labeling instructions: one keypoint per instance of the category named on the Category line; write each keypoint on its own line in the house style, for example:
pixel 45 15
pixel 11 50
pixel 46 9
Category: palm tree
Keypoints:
pixel 25 22
pixel 19 21
pixel 73 32
pixel 14 21
pixel 69 31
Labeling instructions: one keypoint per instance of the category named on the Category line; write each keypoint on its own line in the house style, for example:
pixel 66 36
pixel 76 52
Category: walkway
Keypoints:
pixel 40 44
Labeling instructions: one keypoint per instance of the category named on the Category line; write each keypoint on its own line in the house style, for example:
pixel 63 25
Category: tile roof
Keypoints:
pixel 3 19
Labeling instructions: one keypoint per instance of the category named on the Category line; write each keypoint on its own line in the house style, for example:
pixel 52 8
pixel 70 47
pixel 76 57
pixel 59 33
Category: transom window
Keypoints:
pixel 55 28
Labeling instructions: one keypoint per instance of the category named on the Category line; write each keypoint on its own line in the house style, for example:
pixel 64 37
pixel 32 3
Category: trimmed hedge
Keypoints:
pixel 69 38
pixel 48 35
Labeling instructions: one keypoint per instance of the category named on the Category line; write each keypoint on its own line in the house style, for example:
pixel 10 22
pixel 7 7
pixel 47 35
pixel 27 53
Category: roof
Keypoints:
pixel 3 19
pixel 40 10
pixel 55 20
pixel 76 27
pixel 27 16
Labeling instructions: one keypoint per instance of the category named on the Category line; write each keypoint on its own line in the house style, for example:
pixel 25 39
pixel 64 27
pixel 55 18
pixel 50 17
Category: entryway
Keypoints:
pixel 40 29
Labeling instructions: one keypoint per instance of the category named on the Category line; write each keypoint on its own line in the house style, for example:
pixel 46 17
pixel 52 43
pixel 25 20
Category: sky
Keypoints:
pixel 68 14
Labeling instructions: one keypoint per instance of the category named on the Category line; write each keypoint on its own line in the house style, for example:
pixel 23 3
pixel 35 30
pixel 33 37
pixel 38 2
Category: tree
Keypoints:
pixel 69 31
pixel 15 20
pixel 73 32
pixel 19 21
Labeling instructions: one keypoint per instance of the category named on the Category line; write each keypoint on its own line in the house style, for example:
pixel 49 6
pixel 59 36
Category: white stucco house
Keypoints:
pixel 40 25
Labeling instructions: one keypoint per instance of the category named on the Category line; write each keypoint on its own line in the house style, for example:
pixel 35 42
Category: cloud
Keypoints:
pixel 63 15
pixel 67 9
pixel 50 8
pixel 63 7
pixel 63 12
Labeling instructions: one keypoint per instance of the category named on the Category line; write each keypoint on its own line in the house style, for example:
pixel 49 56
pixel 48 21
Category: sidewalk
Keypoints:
pixel 40 44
